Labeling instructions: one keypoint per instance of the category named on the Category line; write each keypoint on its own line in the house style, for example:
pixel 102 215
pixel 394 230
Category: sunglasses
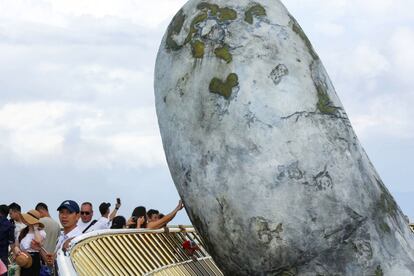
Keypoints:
pixel 85 213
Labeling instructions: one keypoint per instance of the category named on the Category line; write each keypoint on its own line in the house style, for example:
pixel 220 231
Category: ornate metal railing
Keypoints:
pixel 140 252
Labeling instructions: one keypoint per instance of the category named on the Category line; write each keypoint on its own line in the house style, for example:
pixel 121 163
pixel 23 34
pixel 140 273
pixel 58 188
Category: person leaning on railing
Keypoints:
pixel 139 218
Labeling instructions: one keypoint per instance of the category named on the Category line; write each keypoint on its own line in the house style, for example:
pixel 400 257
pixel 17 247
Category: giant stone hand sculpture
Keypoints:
pixel 263 153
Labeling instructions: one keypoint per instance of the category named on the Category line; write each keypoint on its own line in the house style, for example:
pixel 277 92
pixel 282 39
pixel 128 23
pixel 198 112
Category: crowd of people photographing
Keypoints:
pixel 37 234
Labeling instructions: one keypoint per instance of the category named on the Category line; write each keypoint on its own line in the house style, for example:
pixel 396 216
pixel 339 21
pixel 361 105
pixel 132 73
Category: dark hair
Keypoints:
pixel 152 212
pixel 15 207
pixel 161 215
pixel 23 233
pixel 41 206
pixel 139 211
pixel 118 222
pixel 4 210
pixel 104 207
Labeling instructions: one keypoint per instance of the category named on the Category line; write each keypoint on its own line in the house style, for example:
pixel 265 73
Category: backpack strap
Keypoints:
pixel 89 226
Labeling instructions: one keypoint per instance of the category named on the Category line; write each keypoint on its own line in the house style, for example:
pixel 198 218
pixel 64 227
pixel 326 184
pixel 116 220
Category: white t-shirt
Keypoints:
pixel 82 225
pixel 18 226
pixel 26 241
pixel 64 237
pixel 102 223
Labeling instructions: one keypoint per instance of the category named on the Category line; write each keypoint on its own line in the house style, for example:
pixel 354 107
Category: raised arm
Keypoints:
pixel 166 219
pixel 114 211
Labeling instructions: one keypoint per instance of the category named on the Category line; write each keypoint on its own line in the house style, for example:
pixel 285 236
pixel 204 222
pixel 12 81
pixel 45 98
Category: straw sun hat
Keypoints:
pixel 32 217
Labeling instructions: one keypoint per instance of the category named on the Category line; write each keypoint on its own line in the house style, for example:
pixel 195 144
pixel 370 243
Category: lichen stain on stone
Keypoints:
pixel 197 49
pixel 278 73
pixel 186 175
pixel 256 10
pixel 223 53
pixel 299 31
pixel 291 171
pixel 323 181
pixel 363 249
pixel 173 29
pixel 261 228
pixel 181 83
pixel 224 89
pixel 289 272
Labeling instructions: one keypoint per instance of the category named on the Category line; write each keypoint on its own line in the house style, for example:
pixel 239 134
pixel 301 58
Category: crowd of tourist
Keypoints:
pixel 36 234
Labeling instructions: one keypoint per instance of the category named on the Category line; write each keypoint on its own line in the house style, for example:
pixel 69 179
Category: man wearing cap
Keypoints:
pixel 104 222
pixel 6 235
pixel 68 216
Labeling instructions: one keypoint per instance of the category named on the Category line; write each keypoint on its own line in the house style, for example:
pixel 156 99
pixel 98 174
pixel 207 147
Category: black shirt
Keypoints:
pixel 6 237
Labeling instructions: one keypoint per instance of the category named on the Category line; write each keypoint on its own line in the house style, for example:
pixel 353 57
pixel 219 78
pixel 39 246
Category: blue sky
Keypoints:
pixel 77 115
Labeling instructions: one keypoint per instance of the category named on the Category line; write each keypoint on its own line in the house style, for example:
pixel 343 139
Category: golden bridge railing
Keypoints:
pixel 142 252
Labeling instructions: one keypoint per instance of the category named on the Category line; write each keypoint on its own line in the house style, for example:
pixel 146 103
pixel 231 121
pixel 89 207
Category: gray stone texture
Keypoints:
pixel 263 153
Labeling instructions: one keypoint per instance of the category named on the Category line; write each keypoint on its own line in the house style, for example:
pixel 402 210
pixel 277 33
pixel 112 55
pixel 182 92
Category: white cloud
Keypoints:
pixel 366 61
pixel 141 12
pixel 80 135
pixel 329 28
pixel 402 45
pixel 386 116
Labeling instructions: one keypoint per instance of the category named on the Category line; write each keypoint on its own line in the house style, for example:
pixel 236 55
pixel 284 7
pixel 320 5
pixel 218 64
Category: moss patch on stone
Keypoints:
pixel 256 10
pixel 385 228
pixel 213 8
pixel 226 14
pixel 378 271
pixel 386 203
pixel 224 89
pixel 299 31
pixel 324 104
pixel 202 16
pixel 173 29
pixel 197 48
pixel 223 53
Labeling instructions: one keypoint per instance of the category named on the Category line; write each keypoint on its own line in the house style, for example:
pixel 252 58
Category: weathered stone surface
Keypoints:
pixel 262 151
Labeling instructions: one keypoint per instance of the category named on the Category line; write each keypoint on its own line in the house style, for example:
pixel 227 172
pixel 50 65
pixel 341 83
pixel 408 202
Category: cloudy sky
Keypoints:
pixel 77 115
